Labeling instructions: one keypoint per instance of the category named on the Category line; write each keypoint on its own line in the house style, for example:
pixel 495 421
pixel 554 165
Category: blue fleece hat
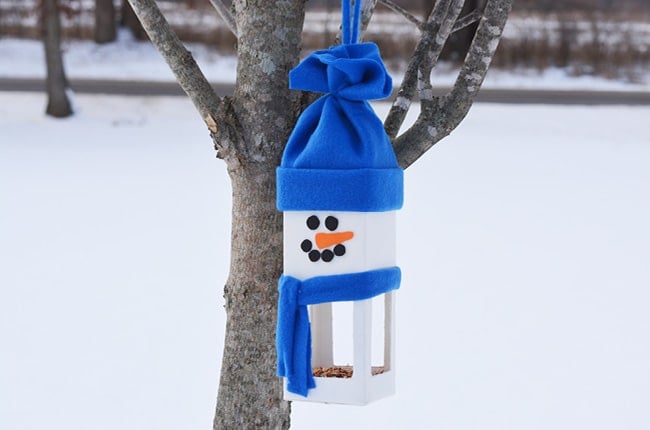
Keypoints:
pixel 339 157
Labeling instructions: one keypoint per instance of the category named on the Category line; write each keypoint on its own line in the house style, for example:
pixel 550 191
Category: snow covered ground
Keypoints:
pixel 523 243
pixel 133 60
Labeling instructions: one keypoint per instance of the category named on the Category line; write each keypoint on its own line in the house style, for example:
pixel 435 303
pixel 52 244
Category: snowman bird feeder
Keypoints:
pixel 339 186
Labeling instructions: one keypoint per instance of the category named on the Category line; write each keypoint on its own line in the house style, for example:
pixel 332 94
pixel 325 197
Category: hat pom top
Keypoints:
pixel 352 72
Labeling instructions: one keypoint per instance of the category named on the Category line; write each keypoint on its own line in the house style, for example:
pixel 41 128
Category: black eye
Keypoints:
pixel 331 223
pixel 313 222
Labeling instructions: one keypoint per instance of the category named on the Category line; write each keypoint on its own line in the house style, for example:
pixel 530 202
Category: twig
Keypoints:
pixel 435 34
pixel 226 15
pixel 405 13
pixel 439 117
pixel 180 61
pixel 467 20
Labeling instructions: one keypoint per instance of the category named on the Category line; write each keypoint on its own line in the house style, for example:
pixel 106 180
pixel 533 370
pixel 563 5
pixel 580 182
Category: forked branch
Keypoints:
pixel 437 29
pixel 439 117
pixel 467 20
pixel 367 10
pixel 180 61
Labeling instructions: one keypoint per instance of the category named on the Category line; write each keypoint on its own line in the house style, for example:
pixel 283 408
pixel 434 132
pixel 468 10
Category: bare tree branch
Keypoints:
pixel 467 20
pixel 436 32
pixel 180 61
pixel 405 13
pixel 226 15
pixel 440 117
pixel 367 9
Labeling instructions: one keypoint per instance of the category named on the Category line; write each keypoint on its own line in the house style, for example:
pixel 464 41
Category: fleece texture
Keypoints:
pixel 339 147
pixel 293 336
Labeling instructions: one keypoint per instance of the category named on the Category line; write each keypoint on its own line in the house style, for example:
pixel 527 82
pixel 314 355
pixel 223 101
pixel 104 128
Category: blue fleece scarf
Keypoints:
pixel 293 338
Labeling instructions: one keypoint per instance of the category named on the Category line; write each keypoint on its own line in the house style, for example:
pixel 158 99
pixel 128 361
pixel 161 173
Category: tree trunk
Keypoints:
pixel 262 112
pixel 105 31
pixel 58 104
pixel 250 393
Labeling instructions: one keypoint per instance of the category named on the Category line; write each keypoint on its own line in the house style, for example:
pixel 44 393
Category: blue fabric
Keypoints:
pixel 340 133
pixel 293 336
pixel 381 189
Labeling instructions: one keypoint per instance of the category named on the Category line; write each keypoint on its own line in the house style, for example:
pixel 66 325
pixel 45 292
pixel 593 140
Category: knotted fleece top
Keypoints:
pixel 339 156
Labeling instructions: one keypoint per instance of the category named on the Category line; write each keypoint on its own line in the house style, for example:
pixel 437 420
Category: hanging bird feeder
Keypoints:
pixel 339 186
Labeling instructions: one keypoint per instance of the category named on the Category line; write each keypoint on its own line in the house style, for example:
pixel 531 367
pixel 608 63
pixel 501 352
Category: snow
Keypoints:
pixel 523 243
pixel 112 257
pixel 129 59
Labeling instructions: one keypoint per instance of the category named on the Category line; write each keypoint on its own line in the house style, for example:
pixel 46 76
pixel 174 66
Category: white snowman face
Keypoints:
pixel 326 243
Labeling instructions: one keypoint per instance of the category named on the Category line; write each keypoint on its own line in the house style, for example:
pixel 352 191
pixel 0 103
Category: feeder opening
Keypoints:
pixel 333 340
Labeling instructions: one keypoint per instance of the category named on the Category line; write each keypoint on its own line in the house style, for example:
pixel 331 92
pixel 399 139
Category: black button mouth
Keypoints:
pixel 327 255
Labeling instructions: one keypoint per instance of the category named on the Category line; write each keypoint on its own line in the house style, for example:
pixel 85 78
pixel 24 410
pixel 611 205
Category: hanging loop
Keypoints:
pixel 351 23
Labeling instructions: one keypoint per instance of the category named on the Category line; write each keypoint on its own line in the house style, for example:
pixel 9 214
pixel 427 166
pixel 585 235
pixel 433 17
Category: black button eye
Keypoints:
pixel 331 223
pixel 313 222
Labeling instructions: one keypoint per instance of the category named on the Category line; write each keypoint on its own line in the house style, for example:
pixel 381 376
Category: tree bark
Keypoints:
pixel 460 41
pixel 250 393
pixel 105 23
pixel 58 104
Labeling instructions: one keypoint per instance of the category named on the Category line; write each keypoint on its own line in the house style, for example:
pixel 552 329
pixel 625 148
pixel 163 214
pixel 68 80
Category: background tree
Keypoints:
pixel 105 24
pixel 249 130
pixel 58 103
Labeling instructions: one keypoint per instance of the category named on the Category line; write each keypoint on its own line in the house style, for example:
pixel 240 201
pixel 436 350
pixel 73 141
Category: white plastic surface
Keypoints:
pixel 371 245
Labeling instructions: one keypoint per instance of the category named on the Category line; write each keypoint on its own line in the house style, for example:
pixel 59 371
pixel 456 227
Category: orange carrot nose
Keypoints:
pixel 325 240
